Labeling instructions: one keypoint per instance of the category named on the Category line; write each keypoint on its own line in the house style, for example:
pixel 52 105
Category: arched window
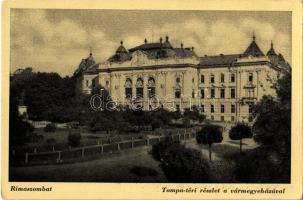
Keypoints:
pixel 128 88
pixel 151 87
pixel 177 92
pixel 139 88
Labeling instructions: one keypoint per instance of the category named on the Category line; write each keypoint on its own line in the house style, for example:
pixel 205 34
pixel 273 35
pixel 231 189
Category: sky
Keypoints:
pixel 55 40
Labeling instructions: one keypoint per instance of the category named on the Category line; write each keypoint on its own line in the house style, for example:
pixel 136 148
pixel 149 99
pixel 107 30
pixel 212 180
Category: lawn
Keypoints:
pixel 134 165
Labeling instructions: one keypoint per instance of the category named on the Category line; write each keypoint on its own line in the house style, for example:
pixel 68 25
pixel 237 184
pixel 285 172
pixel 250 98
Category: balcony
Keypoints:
pixel 249 85
pixel 247 100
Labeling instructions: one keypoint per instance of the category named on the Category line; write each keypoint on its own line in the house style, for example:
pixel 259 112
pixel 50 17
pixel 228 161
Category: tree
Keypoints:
pixel 239 132
pixel 272 125
pixel 270 162
pixel 208 135
pixel 181 164
pixel 50 127
pixel 74 139
pixel 19 130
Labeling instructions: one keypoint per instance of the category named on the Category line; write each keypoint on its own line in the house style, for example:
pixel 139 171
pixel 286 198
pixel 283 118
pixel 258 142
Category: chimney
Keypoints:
pixel 182 45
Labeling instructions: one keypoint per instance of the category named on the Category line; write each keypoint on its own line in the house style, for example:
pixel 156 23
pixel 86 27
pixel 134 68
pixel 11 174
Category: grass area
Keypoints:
pixel 115 168
pixel 134 165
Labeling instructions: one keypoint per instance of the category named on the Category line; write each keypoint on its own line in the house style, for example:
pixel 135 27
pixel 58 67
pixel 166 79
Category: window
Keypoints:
pixel 93 83
pixel 222 78
pixel 151 87
pixel 212 93
pixel 232 118
pixel 202 79
pixel 151 92
pixel 212 117
pixel 128 88
pixel 139 88
pixel 193 80
pixel 139 92
pixel 212 78
pixel 128 92
pixel 222 93
pixel 233 108
pixel 107 83
pixel 177 107
pixel 177 93
pixel 222 118
pixel 251 92
pixel 193 94
pixel 222 108
pixel 87 83
pixel 202 108
pixel 232 93
pixel 202 94
pixel 178 79
pixel 232 78
pixel 250 77
pixel 212 108
pixel 250 108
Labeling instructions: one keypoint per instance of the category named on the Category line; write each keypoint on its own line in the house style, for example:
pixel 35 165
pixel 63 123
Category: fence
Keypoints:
pixel 84 152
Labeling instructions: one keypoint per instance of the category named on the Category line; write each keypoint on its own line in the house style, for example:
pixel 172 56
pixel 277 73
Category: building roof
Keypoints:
pixel 153 51
pixel 121 49
pixel 253 49
pixel 85 64
pixel 279 61
pixel 184 52
pixel 218 60
pixel 271 51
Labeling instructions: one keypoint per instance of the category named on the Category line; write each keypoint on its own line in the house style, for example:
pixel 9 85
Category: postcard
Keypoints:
pixel 152 99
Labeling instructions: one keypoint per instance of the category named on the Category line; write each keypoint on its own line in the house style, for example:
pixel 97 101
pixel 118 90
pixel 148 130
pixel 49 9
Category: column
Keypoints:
pixel 145 92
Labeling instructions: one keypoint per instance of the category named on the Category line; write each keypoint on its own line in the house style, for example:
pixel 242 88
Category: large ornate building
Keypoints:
pixel 154 75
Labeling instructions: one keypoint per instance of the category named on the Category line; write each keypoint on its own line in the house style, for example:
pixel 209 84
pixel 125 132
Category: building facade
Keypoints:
pixel 154 75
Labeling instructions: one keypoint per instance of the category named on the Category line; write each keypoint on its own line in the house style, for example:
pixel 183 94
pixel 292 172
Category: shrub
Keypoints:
pixel 74 139
pixel 50 127
pixel 156 123
pixel 186 122
pixel 180 164
pixel 258 166
pixel 159 150
pixel 239 132
pixel 208 135
pixel 51 140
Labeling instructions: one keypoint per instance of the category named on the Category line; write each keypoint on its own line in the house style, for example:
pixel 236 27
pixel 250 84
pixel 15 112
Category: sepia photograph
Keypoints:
pixel 150 96
pixel 139 99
